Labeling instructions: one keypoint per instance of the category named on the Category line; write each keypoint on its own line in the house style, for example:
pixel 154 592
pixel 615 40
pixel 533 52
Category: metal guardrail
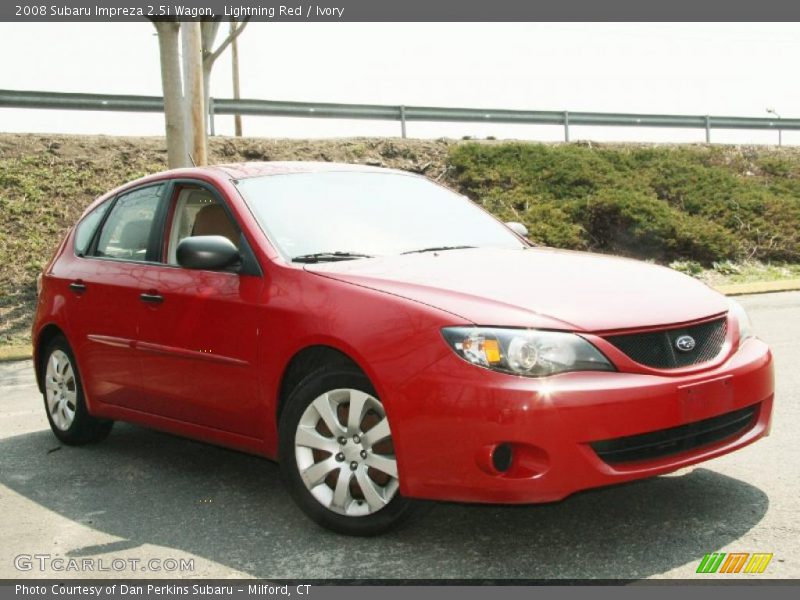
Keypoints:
pixel 403 114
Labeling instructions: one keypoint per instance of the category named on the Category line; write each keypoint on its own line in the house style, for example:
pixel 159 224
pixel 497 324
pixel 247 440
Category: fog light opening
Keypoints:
pixel 502 457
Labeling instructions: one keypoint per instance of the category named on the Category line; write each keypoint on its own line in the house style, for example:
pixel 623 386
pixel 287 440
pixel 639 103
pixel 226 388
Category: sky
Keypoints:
pixel 736 69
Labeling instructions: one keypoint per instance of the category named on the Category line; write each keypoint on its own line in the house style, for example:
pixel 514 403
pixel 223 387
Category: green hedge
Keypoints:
pixel 662 203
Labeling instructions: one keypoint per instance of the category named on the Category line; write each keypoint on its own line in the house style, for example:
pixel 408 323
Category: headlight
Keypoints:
pixel 526 352
pixel 745 327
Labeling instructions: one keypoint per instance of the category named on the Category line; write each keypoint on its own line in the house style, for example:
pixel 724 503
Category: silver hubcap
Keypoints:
pixel 61 390
pixel 344 452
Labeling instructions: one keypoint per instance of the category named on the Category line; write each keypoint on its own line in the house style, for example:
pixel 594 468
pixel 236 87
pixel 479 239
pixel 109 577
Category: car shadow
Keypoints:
pixel 147 487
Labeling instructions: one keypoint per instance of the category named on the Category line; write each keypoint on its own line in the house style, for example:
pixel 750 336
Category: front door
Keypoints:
pixel 198 338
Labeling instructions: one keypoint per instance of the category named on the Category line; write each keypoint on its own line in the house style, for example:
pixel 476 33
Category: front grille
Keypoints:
pixel 648 446
pixel 658 349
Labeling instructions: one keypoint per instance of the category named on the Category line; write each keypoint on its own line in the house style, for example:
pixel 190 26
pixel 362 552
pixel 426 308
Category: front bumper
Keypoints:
pixel 448 419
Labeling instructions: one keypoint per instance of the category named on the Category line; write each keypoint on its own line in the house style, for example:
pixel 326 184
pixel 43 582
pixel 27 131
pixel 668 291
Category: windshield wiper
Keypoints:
pixel 328 257
pixel 437 249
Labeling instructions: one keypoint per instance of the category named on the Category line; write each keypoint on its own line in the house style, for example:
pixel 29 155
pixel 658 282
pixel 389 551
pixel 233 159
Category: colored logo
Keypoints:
pixel 685 343
pixel 734 562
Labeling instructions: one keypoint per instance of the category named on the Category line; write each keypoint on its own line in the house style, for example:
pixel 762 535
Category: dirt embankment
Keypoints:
pixel 696 207
pixel 47 180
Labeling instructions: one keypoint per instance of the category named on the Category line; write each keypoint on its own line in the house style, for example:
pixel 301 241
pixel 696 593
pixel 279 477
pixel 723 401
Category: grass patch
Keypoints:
pixel 725 273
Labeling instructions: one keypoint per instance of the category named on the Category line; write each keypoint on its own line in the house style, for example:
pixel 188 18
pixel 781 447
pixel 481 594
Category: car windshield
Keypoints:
pixel 324 216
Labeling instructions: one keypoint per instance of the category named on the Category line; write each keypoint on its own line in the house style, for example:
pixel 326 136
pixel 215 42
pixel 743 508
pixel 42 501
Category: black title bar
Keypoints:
pixel 402 10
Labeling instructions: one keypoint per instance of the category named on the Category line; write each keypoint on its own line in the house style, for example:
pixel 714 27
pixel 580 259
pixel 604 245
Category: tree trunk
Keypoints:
pixel 206 89
pixel 209 31
pixel 193 90
pixel 177 152
pixel 237 119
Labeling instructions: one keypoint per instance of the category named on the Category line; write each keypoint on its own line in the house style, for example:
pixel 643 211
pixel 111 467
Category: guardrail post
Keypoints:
pixel 211 117
pixel 403 121
pixel 566 126
pixel 708 129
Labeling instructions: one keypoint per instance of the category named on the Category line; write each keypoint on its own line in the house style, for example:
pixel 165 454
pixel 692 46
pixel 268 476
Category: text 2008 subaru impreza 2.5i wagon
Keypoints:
pixel 386 340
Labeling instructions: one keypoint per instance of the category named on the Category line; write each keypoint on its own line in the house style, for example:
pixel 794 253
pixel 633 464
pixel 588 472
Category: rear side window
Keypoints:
pixel 126 232
pixel 86 228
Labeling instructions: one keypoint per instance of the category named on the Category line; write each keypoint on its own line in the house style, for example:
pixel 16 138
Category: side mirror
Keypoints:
pixel 518 228
pixel 207 252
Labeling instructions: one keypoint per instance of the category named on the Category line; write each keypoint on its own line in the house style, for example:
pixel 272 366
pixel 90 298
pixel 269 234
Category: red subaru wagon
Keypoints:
pixel 386 340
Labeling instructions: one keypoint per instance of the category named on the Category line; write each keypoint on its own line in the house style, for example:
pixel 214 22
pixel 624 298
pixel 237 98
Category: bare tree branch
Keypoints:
pixel 213 56
pixel 209 30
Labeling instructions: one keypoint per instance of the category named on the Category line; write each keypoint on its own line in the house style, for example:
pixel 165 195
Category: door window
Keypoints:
pixel 126 232
pixel 198 212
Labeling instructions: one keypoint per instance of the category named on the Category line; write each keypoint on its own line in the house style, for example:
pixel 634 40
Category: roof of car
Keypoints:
pixel 257 169
pixel 244 170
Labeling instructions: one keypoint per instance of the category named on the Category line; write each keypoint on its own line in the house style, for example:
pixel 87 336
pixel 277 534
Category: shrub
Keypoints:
pixel 636 224
pixel 703 204
pixel 689 267
pixel 548 222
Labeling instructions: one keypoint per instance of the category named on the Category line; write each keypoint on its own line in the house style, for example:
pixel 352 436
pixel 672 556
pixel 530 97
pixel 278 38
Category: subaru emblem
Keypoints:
pixel 685 343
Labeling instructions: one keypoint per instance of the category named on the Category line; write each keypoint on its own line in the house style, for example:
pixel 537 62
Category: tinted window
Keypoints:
pixel 86 228
pixel 367 213
pixel 126 232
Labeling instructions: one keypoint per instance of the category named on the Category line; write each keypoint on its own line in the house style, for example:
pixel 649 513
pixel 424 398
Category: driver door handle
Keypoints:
pixel 151 298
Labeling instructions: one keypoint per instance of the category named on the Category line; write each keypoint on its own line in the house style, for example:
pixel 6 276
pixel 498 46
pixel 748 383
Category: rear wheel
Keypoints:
pixel 64 400
pixel 337 455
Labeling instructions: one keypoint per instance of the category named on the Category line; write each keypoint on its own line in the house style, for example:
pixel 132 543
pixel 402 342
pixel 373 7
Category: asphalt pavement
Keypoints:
pixel 143 495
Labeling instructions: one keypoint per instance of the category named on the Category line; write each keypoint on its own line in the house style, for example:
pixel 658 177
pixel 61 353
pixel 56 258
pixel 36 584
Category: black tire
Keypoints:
pixel 324 380
pixel 83 428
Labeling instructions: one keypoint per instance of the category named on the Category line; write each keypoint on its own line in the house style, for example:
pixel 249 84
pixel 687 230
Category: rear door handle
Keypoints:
pixel 151 298
pixel 77 286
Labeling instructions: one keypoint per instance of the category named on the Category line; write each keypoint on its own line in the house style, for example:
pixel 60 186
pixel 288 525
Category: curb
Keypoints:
pixel 759 287
pixel 12 353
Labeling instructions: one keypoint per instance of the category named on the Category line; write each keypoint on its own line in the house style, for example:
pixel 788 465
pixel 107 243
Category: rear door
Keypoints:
pixel 198 340
pixel 114 246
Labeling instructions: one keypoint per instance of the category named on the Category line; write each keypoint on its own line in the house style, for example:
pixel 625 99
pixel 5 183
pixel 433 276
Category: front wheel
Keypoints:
pixel 64 400
pixel 337 456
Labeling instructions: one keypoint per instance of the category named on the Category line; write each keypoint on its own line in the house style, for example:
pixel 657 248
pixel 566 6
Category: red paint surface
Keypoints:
pixel 208 361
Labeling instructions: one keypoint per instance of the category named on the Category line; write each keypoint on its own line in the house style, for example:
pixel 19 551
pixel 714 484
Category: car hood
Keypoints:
pixel 536 287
